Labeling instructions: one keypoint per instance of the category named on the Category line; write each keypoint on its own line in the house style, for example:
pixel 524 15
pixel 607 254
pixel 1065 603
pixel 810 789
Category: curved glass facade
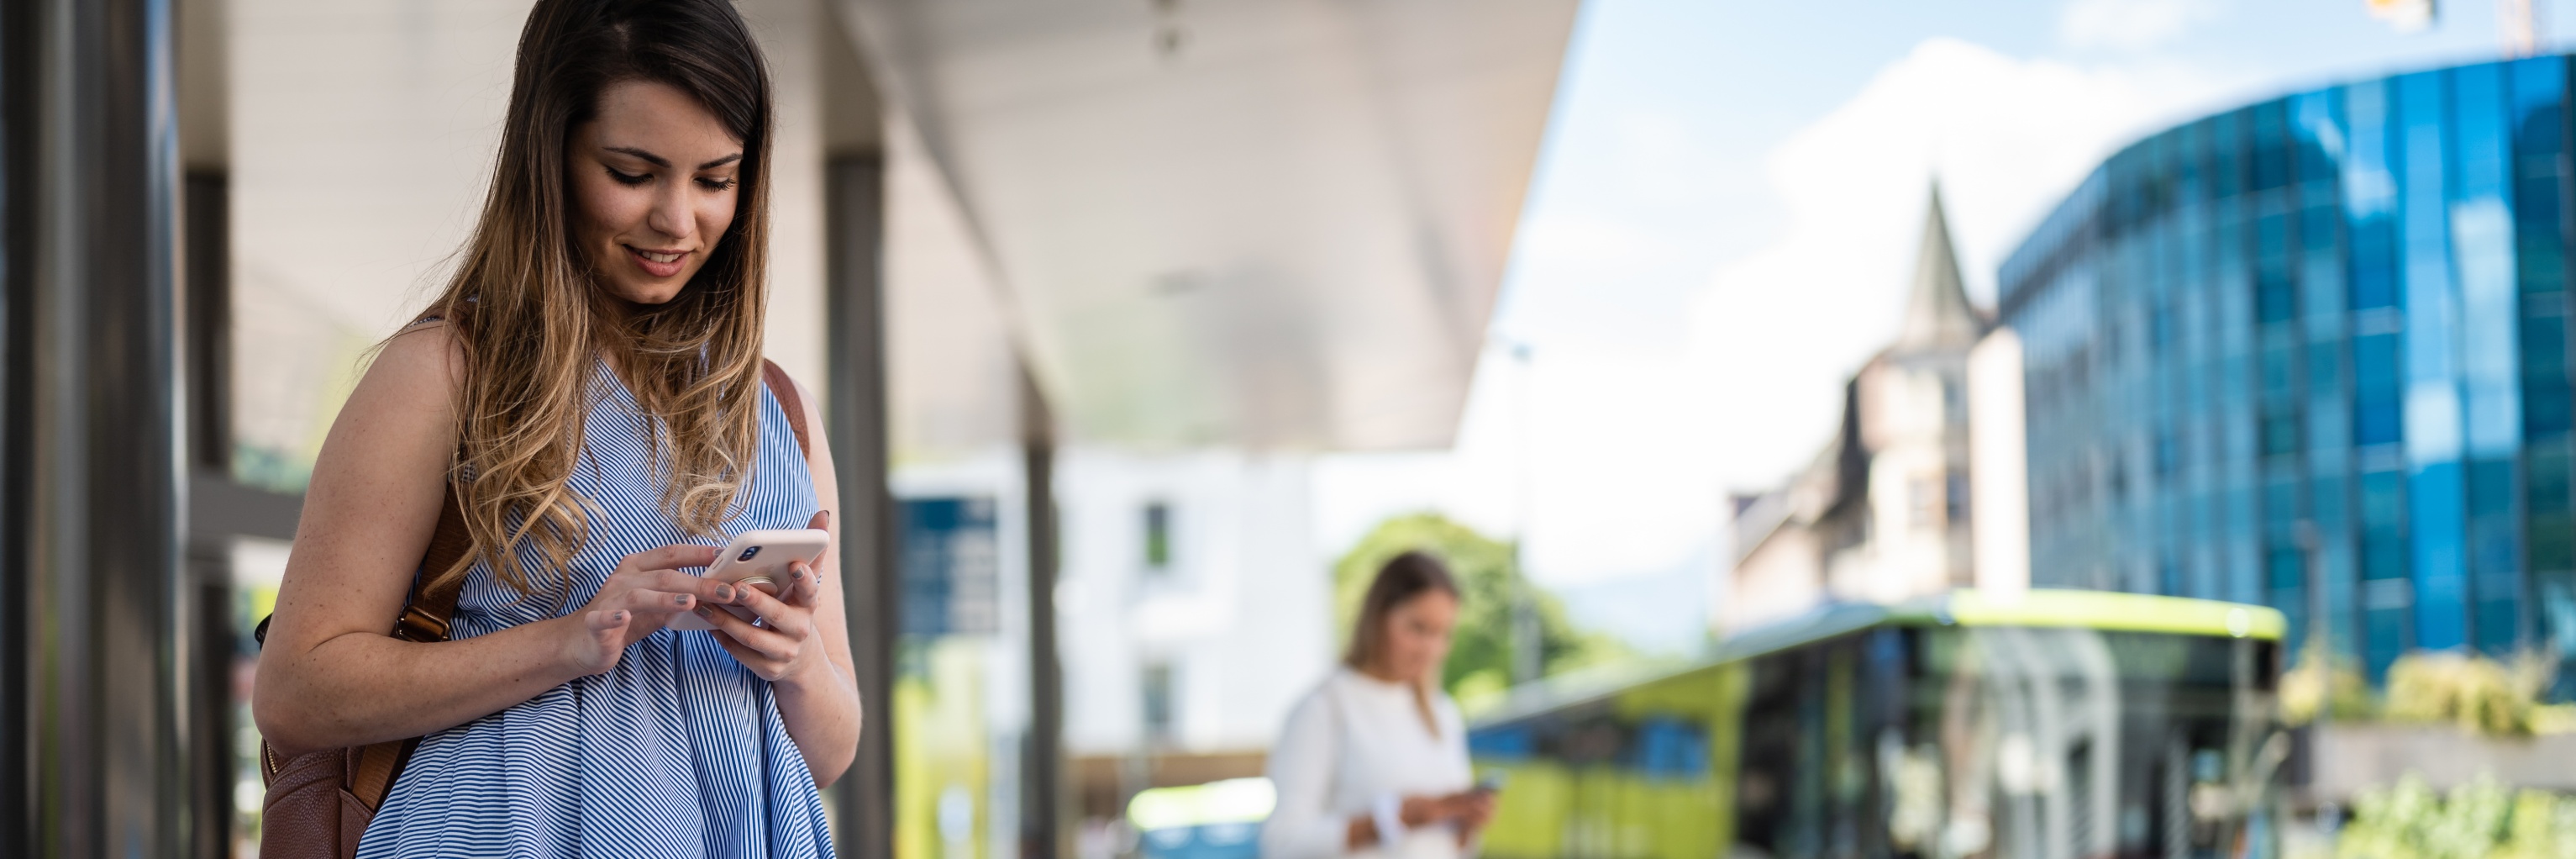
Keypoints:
pixel 2312 353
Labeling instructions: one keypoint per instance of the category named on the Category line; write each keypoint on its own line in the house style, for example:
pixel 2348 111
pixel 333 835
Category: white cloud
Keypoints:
pixel 2130 24
pixel 1634 441
pixel 1777 332
pixel 1559 239
pixel 1617 477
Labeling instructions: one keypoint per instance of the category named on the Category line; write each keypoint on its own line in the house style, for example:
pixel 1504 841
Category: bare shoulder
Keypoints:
pixel 407 397
pixel 424 354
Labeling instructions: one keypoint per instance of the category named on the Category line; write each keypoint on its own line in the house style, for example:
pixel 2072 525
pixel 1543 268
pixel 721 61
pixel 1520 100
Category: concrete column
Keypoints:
pixel 93 472
pixel 863 801
pixel 1042 831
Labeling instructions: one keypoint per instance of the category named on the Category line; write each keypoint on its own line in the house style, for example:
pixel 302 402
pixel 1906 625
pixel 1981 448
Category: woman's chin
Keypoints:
pixel 648 293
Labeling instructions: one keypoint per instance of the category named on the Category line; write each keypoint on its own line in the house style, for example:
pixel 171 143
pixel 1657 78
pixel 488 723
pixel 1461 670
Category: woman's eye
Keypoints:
pixel 629 179
pixel 716 184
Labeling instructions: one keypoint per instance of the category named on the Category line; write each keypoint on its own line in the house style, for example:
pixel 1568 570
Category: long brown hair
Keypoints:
pixel 533 323
pixel 1403 578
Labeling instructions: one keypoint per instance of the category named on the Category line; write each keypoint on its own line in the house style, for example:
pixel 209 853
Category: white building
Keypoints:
pixel 1194 608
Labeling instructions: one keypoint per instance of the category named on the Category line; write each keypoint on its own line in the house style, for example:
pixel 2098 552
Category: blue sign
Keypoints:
pixel 951 567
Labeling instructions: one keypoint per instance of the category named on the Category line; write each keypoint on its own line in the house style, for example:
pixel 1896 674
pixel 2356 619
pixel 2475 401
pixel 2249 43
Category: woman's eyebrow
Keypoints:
pixel 655 160
pixel 659 161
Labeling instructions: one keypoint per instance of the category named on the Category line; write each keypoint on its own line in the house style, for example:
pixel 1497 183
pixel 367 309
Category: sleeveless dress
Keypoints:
pixel 679 751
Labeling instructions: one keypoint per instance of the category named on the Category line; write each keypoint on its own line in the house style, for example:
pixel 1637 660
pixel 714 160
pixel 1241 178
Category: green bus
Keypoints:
pixel 2076 724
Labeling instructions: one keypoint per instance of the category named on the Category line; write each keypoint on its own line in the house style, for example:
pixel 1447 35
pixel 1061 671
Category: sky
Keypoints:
pixel 1723 218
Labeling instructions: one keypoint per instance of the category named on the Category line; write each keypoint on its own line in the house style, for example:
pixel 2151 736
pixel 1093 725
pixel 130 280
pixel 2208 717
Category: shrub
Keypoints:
pixel 2477 820
pixel 2331 686
pixel 2478 694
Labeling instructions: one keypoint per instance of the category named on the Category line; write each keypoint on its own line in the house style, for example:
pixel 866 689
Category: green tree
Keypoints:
pixel 1480 659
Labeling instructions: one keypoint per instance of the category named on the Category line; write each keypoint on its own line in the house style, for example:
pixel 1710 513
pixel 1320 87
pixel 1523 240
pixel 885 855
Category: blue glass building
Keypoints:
pixel 2312 353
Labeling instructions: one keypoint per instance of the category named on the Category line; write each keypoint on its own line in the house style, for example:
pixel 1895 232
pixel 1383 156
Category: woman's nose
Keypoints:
pixel 671 214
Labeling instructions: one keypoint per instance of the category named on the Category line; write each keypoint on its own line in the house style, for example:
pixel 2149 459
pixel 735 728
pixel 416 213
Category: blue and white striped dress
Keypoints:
pixel 678 751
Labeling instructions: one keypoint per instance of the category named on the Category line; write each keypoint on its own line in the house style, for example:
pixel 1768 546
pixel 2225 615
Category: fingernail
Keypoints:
pixel 619 617
pixel 682 599
pixel 724 592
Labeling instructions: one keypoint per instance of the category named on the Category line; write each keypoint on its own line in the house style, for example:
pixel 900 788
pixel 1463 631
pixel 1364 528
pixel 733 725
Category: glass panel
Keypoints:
pixel 2482 239
pixel 2316 120
pixel 2539 93
pixel 2545 387
pixel 2436 518
pixel 2281 434
pixel 2269 149
pixel 2227 155
pixel 2370 197
pixel 2285 577
pixel 2555 593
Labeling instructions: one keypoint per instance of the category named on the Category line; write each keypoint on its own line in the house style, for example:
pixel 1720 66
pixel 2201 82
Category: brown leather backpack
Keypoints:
pixel 320 802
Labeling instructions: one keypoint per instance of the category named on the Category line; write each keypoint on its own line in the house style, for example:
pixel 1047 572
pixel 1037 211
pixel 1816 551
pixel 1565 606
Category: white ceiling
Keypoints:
pixel 1277 224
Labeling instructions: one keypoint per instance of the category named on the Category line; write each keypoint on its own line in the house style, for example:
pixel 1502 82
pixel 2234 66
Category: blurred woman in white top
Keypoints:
pixel 1374 761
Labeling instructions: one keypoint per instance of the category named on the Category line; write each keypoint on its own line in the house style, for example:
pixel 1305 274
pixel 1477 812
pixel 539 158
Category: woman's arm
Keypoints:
pixel 331 674
pixel 1302 824
pixel 822 708
pixel 818 699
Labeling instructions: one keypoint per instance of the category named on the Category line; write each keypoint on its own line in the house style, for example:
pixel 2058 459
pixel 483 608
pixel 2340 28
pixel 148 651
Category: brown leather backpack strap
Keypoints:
pixel 788 401
pixel 433 596
pixel 371 770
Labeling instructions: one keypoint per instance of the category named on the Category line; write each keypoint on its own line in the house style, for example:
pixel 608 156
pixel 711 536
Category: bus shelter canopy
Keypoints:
pixel 1275 225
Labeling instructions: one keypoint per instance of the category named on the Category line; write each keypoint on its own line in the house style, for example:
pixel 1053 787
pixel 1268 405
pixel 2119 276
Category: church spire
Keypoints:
pixel 1937 312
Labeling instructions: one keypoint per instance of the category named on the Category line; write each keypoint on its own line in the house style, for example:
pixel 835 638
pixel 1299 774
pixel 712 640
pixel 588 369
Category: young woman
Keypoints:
pixel 590 382
pixel 1374 761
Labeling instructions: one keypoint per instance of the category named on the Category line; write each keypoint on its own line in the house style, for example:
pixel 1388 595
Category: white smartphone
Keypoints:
pixel 758 559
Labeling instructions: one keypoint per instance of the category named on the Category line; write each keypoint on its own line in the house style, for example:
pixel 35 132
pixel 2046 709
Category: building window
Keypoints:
pixel 2281 433
pixel 1157 687
pixel 1158 537
pixel 1923 509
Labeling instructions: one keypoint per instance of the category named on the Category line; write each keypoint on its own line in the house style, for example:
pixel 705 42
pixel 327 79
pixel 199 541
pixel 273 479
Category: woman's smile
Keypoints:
pixel 658 263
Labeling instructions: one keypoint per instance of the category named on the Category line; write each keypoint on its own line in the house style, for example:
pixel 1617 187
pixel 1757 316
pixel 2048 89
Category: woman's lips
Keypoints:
pixel 656 263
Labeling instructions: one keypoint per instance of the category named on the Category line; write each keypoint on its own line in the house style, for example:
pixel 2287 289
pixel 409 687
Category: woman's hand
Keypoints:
pixel 1465 813
pixel 1468 810
pixel 783 646
pixel 1471 810
pixel 645 590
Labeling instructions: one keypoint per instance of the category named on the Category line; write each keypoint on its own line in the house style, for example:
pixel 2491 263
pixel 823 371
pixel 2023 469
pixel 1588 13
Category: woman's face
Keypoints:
pixel 1417 635
pixel 654 179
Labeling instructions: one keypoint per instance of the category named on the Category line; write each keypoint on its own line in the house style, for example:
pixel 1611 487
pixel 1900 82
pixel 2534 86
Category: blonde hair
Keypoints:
pixel 532 323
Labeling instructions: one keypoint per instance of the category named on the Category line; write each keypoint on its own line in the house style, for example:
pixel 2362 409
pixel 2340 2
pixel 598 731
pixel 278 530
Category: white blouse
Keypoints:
pixel 1352 740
